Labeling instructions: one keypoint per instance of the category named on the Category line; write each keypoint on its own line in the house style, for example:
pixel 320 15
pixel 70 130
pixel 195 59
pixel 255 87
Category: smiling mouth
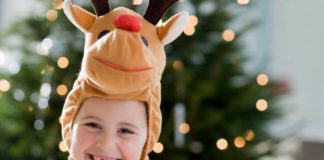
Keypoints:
pixel 121 68
pixel 94 157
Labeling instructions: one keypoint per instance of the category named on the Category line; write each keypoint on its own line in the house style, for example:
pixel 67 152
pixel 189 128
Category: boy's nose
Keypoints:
pixel 104 146
pixel 128 22
pixel 107 143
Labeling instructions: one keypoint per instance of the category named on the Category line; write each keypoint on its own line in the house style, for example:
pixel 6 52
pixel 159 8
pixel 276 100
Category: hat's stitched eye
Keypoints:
pixel 145 41
pixel 102 33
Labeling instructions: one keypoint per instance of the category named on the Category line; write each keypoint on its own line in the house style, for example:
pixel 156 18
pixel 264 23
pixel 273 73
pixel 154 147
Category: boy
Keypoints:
pixel 112 112
pixel 107 129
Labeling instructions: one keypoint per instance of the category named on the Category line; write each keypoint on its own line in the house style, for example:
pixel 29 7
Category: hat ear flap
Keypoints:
pixel 173 27
pixel 81 18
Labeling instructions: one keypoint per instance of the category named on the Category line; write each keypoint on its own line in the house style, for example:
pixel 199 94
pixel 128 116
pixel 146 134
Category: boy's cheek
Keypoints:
pixel 83 134
pixel 81 137
pixel 132 148
pixel 81 140
pixel 133 145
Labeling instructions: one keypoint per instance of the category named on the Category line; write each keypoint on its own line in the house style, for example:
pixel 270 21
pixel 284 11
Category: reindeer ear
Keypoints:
pixel 78 16
pixel 173 27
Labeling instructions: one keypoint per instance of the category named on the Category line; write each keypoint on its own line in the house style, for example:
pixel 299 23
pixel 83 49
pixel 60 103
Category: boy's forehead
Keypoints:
pixel 112 109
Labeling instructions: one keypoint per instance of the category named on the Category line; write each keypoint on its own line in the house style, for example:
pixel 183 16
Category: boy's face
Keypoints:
pixel 109 130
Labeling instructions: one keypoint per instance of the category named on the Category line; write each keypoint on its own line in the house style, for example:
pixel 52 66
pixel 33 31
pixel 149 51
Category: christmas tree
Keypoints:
pixel 212 108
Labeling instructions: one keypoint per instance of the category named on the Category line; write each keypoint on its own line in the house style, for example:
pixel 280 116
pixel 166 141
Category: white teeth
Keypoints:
pixel 97 158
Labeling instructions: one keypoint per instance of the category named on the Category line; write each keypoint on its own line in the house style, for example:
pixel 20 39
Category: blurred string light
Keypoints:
pixel 137 2
pixel 51 15
pixel 222 144
pixel 58 4
pixel 61 90
pixel 63 62
pixel 47 43
pixel 158 147
pixel 207 7
pixel 14 68
pixel 19 95
pixel 44 47
pixel 262 79
pixel 228 35
pixel 34 97
pixel 42 50
pixel 45 92
pixel 243 2
pixel 193 20
pixel 4 85
pixel 184 128
pixel 262 105
pixel 39 124
pixel 190 28
pixel 196 147
pixel 30 108
pixel 197 58
pixel 11 67
pixel 249 135
pixel 45 89
pixel 63 147
pixel 239 142
pixel 177 65
pixel 43 103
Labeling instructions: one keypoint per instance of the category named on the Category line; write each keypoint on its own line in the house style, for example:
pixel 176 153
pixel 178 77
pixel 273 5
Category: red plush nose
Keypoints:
pixel 128 22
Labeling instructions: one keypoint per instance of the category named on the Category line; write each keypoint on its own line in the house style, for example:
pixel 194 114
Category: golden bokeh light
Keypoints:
pixel 30 108
pixel 189 30
pixel 228 35
pixel 4 85
pixel 63 62
pixel 243 2
pixel 58 4
pixel 262 105
pixel 222 144
pixel 51 15
pixel 61 90
pixel 177 65
pixel 239 142
pixel 184 128
pixel 63 147
pixel 262 79
pixel 51 69
pixel 249 135
pixel 193 20
pixel 158 147
pixel 137 2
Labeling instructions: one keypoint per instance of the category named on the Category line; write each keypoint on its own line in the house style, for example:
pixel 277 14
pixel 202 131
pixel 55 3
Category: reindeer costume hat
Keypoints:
pixel 124 58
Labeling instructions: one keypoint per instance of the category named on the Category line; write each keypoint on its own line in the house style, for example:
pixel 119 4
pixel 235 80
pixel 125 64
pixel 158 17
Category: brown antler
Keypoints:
pixel 156 10
pixel 101 6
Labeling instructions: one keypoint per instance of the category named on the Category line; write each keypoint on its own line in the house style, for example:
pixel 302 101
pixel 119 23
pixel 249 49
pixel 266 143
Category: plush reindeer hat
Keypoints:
pixel 124 58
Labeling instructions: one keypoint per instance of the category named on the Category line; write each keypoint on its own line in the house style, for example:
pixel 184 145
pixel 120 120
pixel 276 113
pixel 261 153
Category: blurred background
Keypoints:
pixel 243 82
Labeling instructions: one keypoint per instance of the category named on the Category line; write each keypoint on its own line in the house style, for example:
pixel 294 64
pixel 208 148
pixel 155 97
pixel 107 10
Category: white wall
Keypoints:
pixel 1 14
pixel 11 10
pixel 297 54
